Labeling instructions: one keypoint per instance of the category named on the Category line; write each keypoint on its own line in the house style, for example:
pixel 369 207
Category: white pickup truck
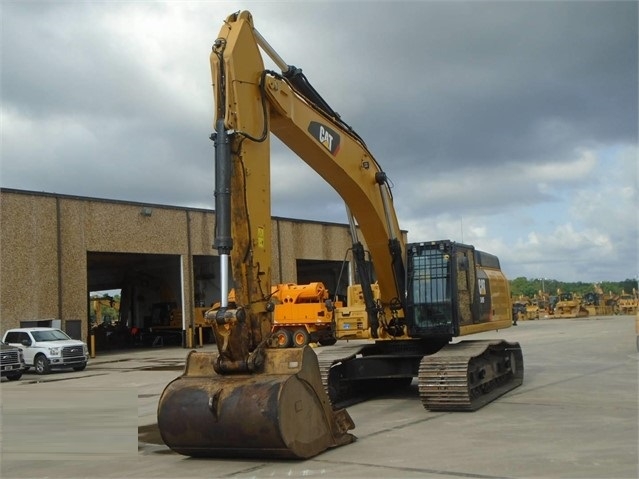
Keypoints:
pixel 47 348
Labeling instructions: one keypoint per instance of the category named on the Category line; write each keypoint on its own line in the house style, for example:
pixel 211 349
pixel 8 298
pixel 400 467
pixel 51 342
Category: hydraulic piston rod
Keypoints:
pixel 223 240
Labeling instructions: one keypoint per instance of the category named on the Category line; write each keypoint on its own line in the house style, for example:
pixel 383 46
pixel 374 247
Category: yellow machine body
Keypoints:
pixel 570 306
pixel 255 398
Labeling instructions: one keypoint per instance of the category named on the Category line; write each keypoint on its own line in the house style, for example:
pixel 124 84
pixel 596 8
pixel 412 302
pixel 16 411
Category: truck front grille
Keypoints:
pixel 9 357
pixel 73 352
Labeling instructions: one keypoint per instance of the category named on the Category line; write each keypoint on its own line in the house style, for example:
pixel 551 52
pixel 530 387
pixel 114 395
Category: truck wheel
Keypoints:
pixel 41 365
pixel 328 341
pixel 14 376
pixel 80 367
pixel 283 338
pixel 300 338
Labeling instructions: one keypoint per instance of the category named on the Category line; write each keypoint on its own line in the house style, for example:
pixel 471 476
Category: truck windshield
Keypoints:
pixel 53 335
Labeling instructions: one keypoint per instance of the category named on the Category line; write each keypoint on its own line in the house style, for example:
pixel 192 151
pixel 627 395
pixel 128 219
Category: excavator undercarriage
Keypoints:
pixel 462 376
pixel 468 375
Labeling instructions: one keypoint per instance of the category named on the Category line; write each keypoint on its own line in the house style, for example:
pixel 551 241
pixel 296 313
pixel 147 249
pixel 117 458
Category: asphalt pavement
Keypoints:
pixel 575 416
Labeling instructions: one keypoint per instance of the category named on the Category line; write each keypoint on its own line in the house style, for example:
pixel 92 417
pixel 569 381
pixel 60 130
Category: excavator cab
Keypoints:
pixel 454 289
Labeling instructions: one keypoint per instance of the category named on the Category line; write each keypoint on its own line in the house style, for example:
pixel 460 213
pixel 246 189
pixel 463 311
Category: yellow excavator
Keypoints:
pixel 255 399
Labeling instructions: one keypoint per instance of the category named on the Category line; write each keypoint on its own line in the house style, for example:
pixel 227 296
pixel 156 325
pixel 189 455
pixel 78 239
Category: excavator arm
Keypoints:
pixel 242 195
pixel 250 399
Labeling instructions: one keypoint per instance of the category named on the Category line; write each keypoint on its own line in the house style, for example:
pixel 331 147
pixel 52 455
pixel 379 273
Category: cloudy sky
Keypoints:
pixel 508 125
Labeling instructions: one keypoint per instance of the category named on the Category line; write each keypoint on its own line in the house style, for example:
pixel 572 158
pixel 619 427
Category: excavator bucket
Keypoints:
pixel 282 412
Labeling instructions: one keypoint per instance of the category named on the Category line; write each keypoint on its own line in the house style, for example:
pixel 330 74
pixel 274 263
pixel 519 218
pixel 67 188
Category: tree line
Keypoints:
pixel 530 287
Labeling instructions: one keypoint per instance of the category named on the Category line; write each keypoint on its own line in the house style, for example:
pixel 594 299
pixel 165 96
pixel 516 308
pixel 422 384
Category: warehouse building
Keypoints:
pixel 57 249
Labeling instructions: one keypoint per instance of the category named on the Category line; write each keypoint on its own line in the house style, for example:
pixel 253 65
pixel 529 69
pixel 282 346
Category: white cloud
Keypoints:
pixel 572 170
pixel 519 143
pixel 600 228
pixel 588 232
